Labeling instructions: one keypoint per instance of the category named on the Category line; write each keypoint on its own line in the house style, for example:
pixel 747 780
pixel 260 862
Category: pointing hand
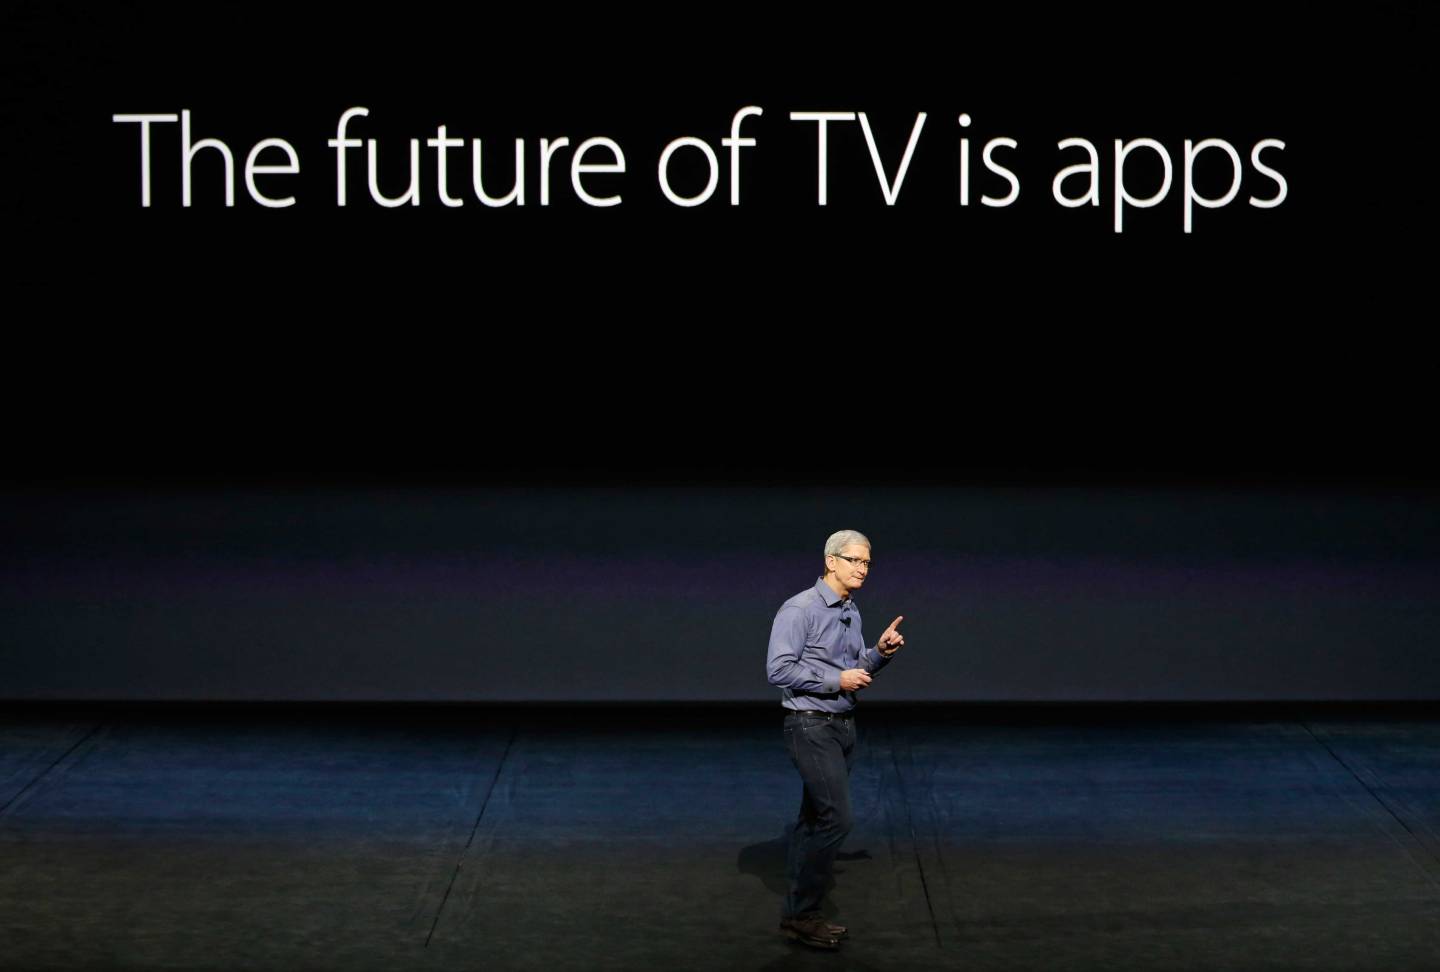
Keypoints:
pixel 892 638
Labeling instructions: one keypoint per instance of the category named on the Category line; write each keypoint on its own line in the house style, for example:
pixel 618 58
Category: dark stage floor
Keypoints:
pixel 544 838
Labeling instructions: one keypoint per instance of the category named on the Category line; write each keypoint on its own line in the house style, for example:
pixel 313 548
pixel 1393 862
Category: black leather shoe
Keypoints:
pixel 811 929
pixel 836 931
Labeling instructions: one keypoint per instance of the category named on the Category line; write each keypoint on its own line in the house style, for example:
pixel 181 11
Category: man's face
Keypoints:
pixel 851 566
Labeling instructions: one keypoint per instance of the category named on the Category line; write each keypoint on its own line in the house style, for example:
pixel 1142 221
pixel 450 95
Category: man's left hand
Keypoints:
pixel 892 639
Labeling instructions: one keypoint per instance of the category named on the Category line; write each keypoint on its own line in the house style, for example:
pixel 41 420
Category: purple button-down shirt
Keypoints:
pixel 816 636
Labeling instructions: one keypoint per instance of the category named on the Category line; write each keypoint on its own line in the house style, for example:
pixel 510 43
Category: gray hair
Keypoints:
pixel 841 539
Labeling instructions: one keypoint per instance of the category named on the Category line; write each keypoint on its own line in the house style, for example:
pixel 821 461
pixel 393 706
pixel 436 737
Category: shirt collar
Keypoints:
pixel 826 594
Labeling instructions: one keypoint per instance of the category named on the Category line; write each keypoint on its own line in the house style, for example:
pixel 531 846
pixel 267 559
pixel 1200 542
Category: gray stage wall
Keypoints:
pixel 633 594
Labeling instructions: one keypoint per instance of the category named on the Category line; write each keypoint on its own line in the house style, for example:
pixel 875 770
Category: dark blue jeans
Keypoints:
pixel 823 750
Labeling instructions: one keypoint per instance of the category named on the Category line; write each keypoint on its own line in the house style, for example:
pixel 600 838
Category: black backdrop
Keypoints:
pixel 1030 413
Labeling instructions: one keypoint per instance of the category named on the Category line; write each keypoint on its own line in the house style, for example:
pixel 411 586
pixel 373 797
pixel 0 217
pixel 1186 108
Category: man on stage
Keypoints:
pixel 818 656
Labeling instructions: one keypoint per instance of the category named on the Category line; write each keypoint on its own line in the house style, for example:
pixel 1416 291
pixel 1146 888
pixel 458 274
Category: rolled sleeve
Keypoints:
pixel 872 660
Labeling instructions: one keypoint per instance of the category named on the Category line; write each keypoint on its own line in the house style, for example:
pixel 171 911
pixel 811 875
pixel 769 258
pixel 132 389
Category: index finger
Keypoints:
pixel 896 622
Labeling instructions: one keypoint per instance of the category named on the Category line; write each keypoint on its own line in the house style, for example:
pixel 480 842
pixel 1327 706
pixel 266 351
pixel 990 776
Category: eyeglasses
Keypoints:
pixel 854 560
